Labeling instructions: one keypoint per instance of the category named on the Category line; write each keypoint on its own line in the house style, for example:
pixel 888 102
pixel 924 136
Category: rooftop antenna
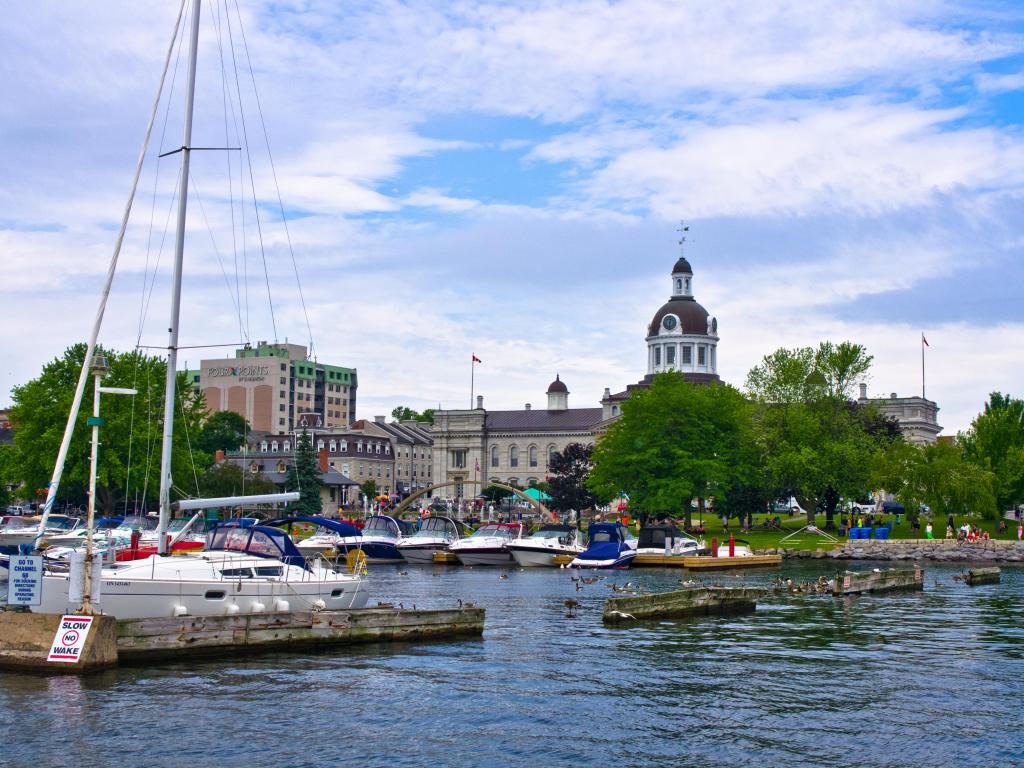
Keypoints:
pixel 682 229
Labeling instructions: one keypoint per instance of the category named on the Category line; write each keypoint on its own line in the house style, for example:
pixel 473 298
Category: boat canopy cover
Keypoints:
pixel 555 527
pixel 653 536
pixel 256 540
pixel 607 541
pixel 338 526
pixel 109 522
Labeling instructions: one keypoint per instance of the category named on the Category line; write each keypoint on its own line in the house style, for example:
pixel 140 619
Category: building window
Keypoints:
pixel 280 422
pixel 533 455
pixel 344 446
pixel 281 467
pixel 679 284
pixel 657 356
pixel 254 467
pixel 263 446
pixel 494 455
pixel 319 445
pixel 670 355
pixel 711 352
pixel 459 457
pixel 333 445
pixel 283 380
pixel 387 449
pixel 281 407
pixel 274 446
pixel 344 469
pixel 283 367
pixel 513 456
pixel 551 454
pixel 700 354
pixel 687 354
pixel 287 446
pixel 359 447
pixel 377 445
pixel 615 410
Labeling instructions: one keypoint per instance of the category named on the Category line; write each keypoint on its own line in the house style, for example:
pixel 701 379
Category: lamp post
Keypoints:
pixel 99 369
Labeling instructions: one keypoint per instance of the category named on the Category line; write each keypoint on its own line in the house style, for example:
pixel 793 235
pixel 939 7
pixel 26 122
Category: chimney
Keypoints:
pixel 608 393
pixel 480 402
pixel 379 419
pixel 323 459
pixel 892 395
pixel 863 391
pixel 527 406
pixel 218 457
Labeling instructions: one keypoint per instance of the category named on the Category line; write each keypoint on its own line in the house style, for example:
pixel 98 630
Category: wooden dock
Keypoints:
pixel 889 580
pixel 699 601
pixel 446 557
pixel 701 563
pixel 978 576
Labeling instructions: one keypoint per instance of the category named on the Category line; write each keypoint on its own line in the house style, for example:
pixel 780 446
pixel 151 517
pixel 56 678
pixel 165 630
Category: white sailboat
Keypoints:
pixel 242 569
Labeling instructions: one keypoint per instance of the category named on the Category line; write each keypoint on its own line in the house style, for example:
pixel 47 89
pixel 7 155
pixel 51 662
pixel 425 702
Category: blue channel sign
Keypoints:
pixel 25 582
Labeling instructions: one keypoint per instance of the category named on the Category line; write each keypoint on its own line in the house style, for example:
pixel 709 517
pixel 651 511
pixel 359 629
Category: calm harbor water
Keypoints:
pixel 926 679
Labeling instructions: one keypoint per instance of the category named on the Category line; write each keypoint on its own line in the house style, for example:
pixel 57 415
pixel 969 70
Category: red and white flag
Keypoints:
pixel 924 341
pixel 477 359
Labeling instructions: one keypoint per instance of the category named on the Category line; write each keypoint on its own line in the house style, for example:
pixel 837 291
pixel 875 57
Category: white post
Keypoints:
pixel 97 374
pixel 179 253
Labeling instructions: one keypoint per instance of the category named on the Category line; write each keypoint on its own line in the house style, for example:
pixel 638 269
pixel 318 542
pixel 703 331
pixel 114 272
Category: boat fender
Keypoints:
pixel 319 605
pixel 180 610
pixel 232 609
pixel 281 606
pixel 258 607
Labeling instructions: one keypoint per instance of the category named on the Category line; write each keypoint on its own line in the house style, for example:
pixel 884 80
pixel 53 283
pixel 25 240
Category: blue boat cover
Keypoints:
pixel 607 541
pixel 338 526
pixel 256 540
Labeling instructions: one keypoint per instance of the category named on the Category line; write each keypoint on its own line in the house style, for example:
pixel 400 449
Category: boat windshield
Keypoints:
pixel 496 531
pixel 176 525
pixel 546 533
pixel 62 523
pixel 380 526
pixel 144 523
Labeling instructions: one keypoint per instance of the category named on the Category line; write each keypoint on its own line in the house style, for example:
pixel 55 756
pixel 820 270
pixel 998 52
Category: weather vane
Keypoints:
pixel 682 230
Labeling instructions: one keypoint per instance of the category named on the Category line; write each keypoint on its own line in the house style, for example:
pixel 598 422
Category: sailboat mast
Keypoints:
pixel 179 253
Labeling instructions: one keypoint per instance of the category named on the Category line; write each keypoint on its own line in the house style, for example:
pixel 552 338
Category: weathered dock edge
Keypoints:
pixel 25 640
pixel 155 639
pixel 699 601
pixel 978 576
pixel 889 580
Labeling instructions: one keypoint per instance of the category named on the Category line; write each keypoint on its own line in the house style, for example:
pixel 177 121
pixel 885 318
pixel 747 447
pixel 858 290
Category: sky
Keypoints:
pixel 506 180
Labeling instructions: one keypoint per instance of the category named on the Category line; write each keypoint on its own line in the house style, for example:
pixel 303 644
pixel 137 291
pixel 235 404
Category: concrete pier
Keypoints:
pixel 889 580
pixel 977 576
pixel 699 601
pixel 25 640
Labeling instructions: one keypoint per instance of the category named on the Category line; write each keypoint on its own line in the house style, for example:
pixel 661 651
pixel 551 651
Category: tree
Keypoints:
pixel 130 436
pixel 222 431
pixel 675 441
pixel 569 470
pixel 940 476
pixel 369 489
pixel 816 445
pixel 305 477
pixel 404 413
pixel 228 479
pixel 493 493
pixel 995 442
pixel 9 474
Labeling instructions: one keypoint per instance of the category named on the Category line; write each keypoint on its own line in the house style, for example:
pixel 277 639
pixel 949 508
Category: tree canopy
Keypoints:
pixel 305 477
pixel 567 486
pixel 995 442
pixel 405 413
pixel 222 431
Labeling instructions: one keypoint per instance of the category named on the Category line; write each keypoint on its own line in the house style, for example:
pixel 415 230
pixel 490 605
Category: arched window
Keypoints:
pixel 615 410
pixel 513 456
pixel 287 446
pixel 687 285
pixel 551 453
pixel 359 447
pixel 344 446
pixel 263 446
pixel 319 445
pixel 378 448
pixel 679 284
pixel 274 446
pixel 533 455
pixel 387 449
pixel 281 467
pixel 333 446
pixel 254 467
pixel 494 455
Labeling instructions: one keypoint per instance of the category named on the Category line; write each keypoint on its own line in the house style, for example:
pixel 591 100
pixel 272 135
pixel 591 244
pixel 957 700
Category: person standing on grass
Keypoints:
pixel 1020 531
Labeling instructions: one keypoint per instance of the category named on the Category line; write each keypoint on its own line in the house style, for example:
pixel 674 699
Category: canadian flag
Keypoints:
pixel 477 359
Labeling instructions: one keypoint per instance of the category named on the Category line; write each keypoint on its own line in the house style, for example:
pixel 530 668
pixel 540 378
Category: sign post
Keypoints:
pixel 25 583
pixel 70 639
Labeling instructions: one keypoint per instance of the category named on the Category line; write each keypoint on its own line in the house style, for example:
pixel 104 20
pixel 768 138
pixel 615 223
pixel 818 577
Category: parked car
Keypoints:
pixel 18 509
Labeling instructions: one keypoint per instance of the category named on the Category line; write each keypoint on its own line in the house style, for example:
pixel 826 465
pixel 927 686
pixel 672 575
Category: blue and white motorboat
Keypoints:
pixel 609 547
pixel 381 536
pixel 330 535
pixel 436 533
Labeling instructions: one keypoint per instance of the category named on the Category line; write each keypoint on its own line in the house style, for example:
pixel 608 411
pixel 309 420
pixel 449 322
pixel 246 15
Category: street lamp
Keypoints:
pixel 99 369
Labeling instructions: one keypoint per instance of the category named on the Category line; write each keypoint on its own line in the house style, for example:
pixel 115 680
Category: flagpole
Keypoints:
pixel 472 371
pixel 923 342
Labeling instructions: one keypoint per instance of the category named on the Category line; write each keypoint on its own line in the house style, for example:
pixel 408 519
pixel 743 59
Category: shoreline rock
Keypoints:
pixel 939 550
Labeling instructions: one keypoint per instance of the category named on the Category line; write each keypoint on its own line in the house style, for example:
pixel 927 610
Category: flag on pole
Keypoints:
pixel 477 359
pixel 477 465
pixel 924 341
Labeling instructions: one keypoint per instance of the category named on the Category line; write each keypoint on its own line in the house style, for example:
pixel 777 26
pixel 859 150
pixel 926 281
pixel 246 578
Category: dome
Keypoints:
pixel 557 386
pixel 682 265
pixel 693 318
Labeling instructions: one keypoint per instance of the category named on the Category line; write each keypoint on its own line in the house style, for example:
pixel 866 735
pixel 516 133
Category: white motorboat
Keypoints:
pixel 242 570
pixel 380 538
pixel 541 548
pixel 666 541
pixel 488 546
pixel 608 548
pixel 23 530
pixel 436 534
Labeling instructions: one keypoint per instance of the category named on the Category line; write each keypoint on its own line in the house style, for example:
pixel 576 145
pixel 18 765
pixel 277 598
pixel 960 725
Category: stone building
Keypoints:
pixel 917 416
pixel 271 384
pixel 516 446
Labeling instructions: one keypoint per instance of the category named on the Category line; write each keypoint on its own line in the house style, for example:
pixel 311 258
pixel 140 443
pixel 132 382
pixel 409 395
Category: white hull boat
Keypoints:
pixel 541 549
pixel 488 546
pixel 436 534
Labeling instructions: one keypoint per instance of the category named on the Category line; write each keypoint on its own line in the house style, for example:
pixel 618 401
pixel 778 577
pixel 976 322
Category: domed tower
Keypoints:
pixel 683 336
pixel 558 395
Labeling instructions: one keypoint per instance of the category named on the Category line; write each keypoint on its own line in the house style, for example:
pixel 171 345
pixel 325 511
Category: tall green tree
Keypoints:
pixel 675 441
pixel 405 413
pixel 995 442
pixel 817 447
pixel 229 479
pixel 567 485
pixel 222 431
pixel 10 474
pixel 305 477
pixel 130 437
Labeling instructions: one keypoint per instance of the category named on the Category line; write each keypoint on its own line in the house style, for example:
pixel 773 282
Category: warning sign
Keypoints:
pixel 25 582
pixel 70 639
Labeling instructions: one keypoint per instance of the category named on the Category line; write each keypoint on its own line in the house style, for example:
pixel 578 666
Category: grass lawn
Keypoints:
pixel 762 539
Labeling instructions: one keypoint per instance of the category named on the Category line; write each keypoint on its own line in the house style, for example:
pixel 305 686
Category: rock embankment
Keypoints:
pixel 913 549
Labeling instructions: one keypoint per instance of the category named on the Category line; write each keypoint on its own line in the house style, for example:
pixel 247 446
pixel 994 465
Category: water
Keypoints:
pixel 919 679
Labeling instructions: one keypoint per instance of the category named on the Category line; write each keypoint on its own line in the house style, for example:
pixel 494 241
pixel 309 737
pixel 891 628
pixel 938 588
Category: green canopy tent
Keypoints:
pixel 537 494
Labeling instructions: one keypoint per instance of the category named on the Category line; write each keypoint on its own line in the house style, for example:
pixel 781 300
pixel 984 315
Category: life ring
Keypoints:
pixel 355 561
